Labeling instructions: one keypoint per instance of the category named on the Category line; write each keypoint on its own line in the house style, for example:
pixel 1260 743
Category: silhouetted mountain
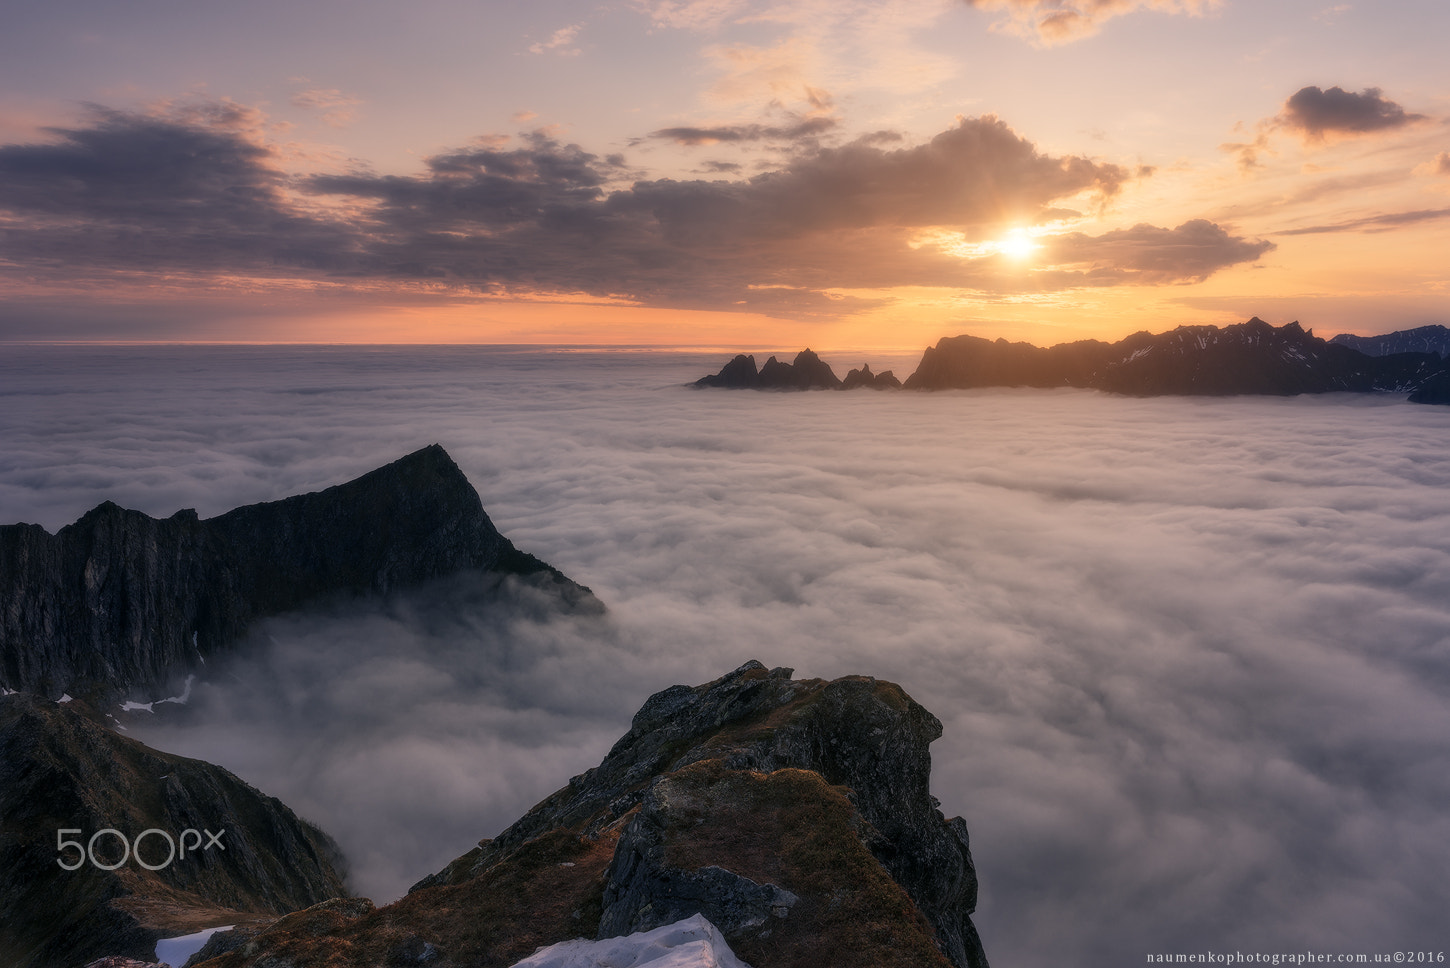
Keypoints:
pixel 807 372
pixel 885 380
pixel 1248 358
pixel 121 600
pixel 964 362
pixel 1422 339
pixel 795 815
pixel 63 777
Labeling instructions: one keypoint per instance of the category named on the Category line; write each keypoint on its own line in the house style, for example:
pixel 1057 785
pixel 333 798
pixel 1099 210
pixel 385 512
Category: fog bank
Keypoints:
pixel 1192 656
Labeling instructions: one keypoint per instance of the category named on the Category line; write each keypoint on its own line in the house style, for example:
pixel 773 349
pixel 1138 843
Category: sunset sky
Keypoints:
pixel 719 173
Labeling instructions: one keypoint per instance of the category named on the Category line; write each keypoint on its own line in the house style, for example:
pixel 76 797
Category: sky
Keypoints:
pixel 721 173
pixel 1191 655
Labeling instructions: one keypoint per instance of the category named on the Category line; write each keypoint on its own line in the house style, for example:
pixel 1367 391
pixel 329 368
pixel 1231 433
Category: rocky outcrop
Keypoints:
pixel 1249 358
pixel 1422 339
pixel 807 372
pixel 795 815
pixel 120 600
pixel 64 777
pixel 885 380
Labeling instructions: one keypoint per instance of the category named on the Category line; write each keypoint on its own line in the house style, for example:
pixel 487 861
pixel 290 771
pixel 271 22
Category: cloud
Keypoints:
pixel 805 128
pixel 1372 223
pixel 1316 114
pixel 1439 165
pixel 205 194
pixel 1147 254
pixel 559 42
pixel 336 107
pixel 1053 22
pixel 190 189
pixel 1190 654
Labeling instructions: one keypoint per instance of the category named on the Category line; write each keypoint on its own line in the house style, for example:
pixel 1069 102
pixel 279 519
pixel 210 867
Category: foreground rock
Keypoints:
pixel 794 815
pixel 121 601
pixel 64 777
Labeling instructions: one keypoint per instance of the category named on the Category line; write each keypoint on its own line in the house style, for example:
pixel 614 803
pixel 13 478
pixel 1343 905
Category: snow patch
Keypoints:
pixel 176 951
pixel 66 697
pixel 691 943
pixel 130 706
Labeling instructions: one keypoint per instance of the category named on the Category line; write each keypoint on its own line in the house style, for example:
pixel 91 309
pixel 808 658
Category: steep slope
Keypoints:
pixel 795 815
pixel 119 599
pixel 63 777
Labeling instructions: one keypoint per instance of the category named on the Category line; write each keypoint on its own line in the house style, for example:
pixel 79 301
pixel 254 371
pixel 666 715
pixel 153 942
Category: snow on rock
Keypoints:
pixel 176 951
pixel 691 943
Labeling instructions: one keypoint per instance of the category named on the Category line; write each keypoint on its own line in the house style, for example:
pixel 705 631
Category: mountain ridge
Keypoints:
pixel 120 600
pixel 1252 357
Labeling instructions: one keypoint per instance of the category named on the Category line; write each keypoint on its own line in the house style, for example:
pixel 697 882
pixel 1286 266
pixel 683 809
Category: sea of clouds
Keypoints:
pixel 1192 656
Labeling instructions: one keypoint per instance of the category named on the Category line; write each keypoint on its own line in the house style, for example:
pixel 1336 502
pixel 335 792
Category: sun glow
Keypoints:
pixel 1018 245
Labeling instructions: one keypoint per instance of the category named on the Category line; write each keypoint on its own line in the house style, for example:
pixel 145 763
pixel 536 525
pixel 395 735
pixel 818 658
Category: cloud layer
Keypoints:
pixel 1192 656
pixel 202 193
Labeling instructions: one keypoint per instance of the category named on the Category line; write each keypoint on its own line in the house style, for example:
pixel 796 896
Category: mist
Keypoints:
pixel 1192 656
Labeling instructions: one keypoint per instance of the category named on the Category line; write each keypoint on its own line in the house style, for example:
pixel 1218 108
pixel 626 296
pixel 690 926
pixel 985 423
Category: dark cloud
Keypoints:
pixel 806 128
pixel 1190 655
pixel 202 192
pixel 1372 223
pixel 1316 113
pixel 190 190
pixel 1151 255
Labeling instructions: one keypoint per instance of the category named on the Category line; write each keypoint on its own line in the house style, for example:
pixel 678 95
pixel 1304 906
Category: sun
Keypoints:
pixel 1017 245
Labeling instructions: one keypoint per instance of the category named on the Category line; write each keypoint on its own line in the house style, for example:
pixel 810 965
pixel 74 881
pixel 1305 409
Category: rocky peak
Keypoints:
pixel 794 815
pixel 121 600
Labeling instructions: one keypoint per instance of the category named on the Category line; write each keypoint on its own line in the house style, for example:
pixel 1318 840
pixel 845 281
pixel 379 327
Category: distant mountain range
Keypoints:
pixel 1247 358
pixel 120 601
pixel 1424 339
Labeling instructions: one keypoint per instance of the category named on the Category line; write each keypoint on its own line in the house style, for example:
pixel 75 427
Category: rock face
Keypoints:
pixel 1249 358
pixel 794 815
pixel 1422 339
pixel 61 771
pixel 121 600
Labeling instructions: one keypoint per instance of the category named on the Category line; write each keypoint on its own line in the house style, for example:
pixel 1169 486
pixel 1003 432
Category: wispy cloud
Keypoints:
pixel 336 108
pixel 559 42
pixel 1372 223
pixel 1053 22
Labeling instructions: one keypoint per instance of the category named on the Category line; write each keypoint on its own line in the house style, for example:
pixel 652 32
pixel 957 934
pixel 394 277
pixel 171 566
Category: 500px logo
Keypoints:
pixel 130 848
